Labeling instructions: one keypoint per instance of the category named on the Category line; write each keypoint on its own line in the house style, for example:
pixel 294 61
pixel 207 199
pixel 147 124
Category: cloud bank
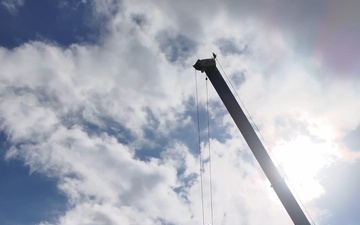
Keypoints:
pixel 82 114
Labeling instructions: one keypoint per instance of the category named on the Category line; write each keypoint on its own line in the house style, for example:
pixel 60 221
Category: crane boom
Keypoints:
pixel 277 182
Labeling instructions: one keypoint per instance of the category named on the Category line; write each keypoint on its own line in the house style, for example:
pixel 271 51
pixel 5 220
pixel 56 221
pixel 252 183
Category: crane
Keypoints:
pixel 279 185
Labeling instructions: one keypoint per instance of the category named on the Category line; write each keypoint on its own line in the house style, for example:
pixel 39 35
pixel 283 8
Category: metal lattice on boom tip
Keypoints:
pixel 277 182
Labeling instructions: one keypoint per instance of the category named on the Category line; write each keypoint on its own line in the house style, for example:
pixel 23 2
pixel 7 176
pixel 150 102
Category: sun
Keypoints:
pixel 300 160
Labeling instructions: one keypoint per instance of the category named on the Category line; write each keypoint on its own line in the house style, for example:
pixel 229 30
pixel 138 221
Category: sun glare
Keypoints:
pixel 300 162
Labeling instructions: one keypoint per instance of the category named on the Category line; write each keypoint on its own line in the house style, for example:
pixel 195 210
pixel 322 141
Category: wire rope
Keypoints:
pixel 200 155
pixel 208 133
pixel 255 127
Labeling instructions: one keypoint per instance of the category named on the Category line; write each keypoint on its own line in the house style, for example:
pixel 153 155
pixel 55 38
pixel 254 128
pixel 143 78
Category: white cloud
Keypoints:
pixel 49 94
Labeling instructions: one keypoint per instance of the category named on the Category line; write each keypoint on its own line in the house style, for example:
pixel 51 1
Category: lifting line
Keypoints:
pixel 200 155
pixel 255 127
pixel 209 149
pixel 208 129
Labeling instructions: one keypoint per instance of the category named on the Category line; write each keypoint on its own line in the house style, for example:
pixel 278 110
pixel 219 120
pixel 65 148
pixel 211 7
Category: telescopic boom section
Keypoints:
pixel 277 182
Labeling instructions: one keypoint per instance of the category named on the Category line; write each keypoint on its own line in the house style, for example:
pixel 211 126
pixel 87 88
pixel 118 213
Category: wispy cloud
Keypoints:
pixel 12 5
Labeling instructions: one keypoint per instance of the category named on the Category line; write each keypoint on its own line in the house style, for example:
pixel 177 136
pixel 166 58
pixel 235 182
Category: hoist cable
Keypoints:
pixel 255 127
pixel 200 155
pixel 208 133
pixel 253 124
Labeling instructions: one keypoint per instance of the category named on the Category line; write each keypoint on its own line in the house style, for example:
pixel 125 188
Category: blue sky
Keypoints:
pixel 98 114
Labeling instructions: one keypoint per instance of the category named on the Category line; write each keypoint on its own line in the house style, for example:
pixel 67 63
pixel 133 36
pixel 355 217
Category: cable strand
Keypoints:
pixel 255 127
pixel 200 155
pixel 210 168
